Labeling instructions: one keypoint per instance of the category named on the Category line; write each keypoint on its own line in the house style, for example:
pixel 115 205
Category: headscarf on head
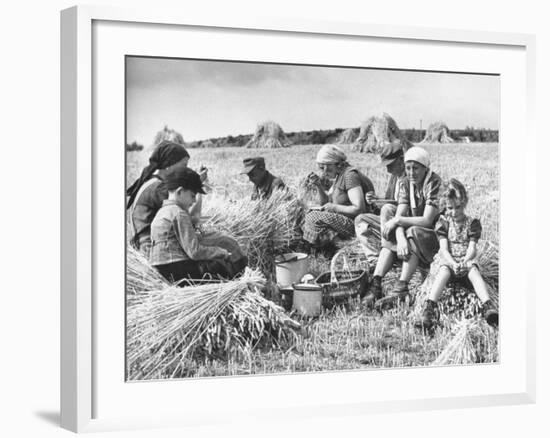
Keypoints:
pixel 419 155
pixel 331 154
pixel 166 154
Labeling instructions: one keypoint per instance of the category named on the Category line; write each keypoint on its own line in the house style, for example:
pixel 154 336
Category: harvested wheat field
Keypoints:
pixel 238 328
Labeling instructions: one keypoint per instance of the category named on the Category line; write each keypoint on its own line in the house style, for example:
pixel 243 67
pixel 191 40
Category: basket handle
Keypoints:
pixel 345 265
pixel 333 279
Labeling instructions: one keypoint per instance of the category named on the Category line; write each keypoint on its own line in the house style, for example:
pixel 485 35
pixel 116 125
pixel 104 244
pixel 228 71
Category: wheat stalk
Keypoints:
pixel 167 327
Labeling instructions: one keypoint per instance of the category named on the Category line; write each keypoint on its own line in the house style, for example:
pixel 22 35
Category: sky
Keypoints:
pixel 205 99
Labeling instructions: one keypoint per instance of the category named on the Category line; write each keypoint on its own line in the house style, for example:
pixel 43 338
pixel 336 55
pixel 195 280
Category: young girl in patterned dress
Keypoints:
pixel 458 235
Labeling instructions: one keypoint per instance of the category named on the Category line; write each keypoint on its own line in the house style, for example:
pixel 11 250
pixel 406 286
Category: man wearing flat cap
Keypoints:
pixel 264 182
pixel 391 156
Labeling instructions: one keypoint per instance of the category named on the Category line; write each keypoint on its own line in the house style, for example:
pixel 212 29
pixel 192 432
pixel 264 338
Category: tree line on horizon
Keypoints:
pixel 326 136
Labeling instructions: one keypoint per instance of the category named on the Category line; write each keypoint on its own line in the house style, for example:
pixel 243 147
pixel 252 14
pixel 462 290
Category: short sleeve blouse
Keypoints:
pixel 347 180
pixel 428 194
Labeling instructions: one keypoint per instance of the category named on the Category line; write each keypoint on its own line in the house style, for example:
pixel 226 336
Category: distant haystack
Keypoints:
pixel 208 144
pixel 438 132
pixel 169 135
pixel 377 132
pixel 347 137
pixel 268 135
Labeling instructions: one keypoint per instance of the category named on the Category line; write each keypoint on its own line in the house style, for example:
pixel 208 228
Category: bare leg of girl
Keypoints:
pixel 479 285
pixel 440 281
pixel 490 312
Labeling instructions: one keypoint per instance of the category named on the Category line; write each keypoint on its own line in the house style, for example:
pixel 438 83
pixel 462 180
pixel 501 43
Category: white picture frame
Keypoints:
pixel 85 356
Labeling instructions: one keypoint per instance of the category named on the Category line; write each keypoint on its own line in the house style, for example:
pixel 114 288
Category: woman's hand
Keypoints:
pixel 314 179
pixel 203 173
pixel 389 226
pixel 463 268
pixel 370 197
pixel 457 268
pixel 329 206
pixel 403 248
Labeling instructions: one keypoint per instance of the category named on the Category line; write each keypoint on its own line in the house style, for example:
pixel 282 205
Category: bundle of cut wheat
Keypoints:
pixel 458 297
pixel 264 228
pixel 208 144
pixel 268 135
pixel 472 340
pixel 169 135
pixel 378 131
pixel 437 132
pixel 348 136
pixel 141 276
pixel 169 327
pixel 488 259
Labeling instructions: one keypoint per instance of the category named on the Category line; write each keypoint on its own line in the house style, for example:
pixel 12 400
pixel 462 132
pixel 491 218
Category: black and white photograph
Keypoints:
pixel 287 218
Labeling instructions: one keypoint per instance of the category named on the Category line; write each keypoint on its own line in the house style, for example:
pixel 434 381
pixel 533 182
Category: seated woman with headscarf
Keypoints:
pixel 407 230
pixel 146 194
pixel 341 204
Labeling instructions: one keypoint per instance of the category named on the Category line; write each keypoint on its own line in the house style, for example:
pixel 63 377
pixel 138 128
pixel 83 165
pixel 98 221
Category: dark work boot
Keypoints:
pixel 375 291
pixel 399 294
pixel 490 313
pixel 430 316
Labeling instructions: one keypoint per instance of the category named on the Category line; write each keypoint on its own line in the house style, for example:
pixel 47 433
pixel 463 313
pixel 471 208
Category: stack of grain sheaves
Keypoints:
pixel 471 341
pixel 264 228
pixel 170 327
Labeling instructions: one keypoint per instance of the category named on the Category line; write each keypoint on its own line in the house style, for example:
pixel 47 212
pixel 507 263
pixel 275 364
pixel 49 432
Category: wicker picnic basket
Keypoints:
pixel 342 283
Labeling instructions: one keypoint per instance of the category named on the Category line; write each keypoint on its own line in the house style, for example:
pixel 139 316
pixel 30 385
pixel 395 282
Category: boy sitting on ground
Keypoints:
pixel 179 250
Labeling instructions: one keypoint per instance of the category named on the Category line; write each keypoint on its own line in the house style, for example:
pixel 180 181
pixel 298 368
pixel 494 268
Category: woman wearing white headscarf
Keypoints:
pixel 407 230
pixel 341 204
